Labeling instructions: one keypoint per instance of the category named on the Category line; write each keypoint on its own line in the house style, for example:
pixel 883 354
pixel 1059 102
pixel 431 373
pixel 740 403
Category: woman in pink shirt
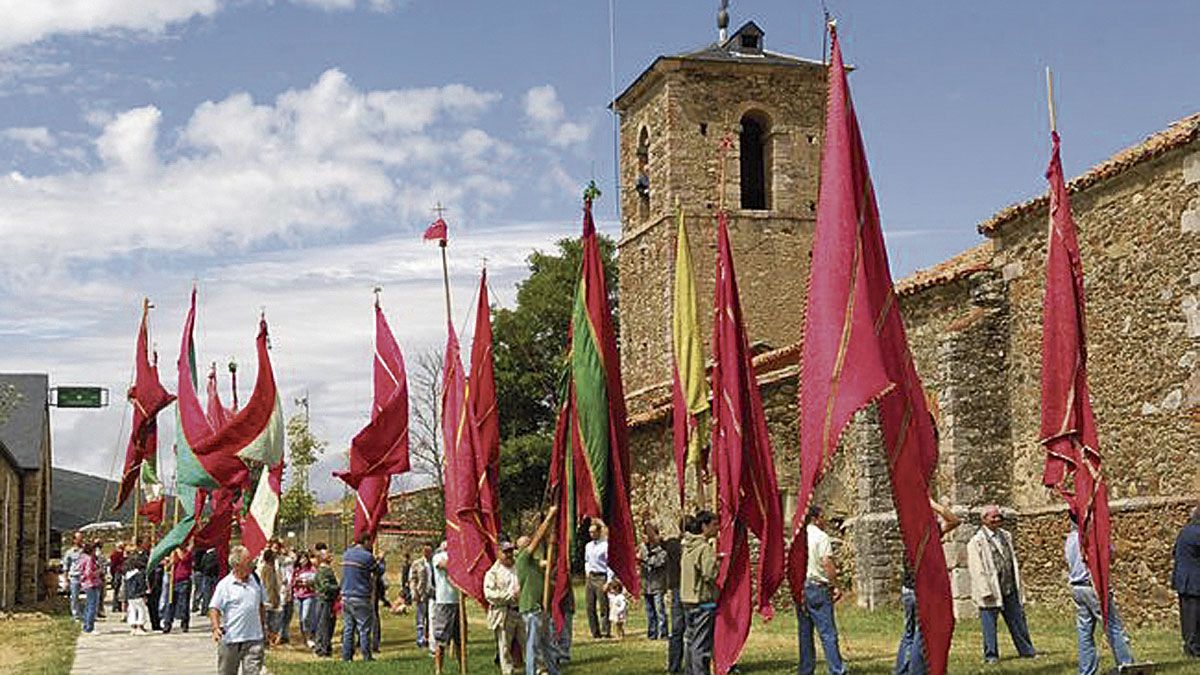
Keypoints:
pixel 303 591
pixel 91 580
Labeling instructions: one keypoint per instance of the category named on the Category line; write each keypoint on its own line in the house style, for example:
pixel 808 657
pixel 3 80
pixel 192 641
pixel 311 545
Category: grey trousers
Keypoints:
pixel 247 655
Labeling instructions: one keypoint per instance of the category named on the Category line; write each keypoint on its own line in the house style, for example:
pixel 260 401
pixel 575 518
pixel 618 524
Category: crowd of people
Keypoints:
pixel 253 604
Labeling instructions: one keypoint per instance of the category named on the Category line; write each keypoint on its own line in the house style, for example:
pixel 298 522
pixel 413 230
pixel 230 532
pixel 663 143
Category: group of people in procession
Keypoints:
pixel 253 605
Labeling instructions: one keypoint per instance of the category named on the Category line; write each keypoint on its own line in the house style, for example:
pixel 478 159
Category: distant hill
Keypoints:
pixel 76 499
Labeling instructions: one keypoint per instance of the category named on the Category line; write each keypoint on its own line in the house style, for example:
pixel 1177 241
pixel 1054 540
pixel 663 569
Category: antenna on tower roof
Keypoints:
pixel 723 22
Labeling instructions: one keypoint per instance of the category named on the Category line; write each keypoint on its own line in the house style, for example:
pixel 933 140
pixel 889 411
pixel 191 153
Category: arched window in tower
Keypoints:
pixel 755 155
pixel 642 182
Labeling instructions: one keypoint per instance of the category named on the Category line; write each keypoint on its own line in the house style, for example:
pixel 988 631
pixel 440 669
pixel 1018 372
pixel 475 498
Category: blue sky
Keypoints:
pixel 285 154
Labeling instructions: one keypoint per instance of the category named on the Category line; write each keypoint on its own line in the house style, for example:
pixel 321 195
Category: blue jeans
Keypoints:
pixel 561 644
pixel 1014 618
pixel 422 623
pixel 73 598
pixel 90 608
pixel 817 613
pixel 701 624
pixel 357 617
pixel 675 646
pixel 306 615
pixel 285 620
pixel 178 607
pixel 537 644
pixel 1087 615
pixel 656 616
pixel 910 657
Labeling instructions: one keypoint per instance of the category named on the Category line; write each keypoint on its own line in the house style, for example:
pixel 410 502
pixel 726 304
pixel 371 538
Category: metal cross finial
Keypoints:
pixel 439 209
pixel 591 192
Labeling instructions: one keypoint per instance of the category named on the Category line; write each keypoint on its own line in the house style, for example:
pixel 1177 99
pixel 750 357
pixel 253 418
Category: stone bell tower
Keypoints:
pixel 769 109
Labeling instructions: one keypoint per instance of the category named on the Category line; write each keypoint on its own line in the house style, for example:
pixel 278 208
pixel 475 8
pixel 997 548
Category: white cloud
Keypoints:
pixel 128 141
pixel 321 158
pixel 30 21
pixel 547 118
pixel 35 139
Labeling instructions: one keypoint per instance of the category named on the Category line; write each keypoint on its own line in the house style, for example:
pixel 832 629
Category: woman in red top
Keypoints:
pixel 91 580
pixel 303 591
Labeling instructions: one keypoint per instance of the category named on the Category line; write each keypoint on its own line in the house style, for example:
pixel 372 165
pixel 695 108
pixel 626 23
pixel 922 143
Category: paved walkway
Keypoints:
pixel 111 649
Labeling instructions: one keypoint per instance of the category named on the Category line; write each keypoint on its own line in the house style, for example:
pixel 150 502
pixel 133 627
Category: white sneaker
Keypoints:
pixel 311 644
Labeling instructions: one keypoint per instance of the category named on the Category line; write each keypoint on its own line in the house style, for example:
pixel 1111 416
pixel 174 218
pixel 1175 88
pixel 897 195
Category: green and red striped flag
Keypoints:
pixel 595 473
pixel 207 458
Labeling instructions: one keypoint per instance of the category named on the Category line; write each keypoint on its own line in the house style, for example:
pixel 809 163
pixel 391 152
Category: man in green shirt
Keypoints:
pixel 531 579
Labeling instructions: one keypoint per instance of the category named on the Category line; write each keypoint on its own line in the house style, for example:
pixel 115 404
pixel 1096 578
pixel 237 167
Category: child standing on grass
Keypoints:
pixel 618 608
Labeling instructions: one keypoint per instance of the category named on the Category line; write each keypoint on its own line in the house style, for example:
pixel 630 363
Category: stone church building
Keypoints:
pixel 974 323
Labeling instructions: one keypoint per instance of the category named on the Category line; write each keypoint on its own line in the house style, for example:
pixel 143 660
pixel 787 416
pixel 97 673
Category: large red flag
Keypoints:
pixel 381 448
pixel 1068 425
pixel 746 486
pixel 370 504
pixel 560 491
pixel 148 398
pixel 856 352
pixel 217 531
pixel 468 546
pixel 481 400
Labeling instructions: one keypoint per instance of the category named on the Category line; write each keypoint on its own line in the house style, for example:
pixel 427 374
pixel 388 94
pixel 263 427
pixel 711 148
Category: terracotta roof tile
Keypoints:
pixel 970 261
pixel 1178 134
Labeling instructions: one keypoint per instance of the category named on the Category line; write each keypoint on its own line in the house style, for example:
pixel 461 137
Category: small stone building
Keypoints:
pixel 25 476
pixel 974 323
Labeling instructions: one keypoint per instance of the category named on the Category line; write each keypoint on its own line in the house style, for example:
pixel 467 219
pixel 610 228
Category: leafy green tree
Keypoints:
pixel 530 350
pixel 298 503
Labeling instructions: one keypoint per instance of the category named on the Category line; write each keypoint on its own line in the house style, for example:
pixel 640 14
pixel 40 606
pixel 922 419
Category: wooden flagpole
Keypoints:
pixel 462 605
pixel 1050 99
pixel 546 575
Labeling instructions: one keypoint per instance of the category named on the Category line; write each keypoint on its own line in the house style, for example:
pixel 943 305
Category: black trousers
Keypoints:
pixel 1189 623
pixel 597 599
pixel 323 620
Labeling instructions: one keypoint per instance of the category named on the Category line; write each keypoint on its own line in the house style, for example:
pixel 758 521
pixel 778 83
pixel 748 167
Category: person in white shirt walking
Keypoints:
pixel 996 586
pixel 237 614
pixel 595 564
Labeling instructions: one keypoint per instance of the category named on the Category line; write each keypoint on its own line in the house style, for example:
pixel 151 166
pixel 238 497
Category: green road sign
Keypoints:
pixel 80 397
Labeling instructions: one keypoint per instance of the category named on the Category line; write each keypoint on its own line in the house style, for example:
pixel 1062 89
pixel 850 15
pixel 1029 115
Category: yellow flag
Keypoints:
pixel 688 349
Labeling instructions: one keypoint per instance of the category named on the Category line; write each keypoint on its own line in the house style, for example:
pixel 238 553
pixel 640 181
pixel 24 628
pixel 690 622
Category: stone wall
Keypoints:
pixel 35 551
pixel 1142 269
pixel 9 528
pixel 1144 530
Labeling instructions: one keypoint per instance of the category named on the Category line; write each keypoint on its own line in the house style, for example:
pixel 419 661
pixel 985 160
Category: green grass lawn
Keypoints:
pixel 37 641
pixel 868 644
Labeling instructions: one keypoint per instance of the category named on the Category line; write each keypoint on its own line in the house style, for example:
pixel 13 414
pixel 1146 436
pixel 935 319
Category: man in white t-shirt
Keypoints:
pixel 595 564
pixel 237 615
pixel 820 593
pixel 445 608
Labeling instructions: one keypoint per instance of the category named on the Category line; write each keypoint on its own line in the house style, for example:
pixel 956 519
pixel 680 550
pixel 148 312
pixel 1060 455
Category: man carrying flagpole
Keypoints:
pixel 453 405
pixel 855 354
pixel 1068 430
